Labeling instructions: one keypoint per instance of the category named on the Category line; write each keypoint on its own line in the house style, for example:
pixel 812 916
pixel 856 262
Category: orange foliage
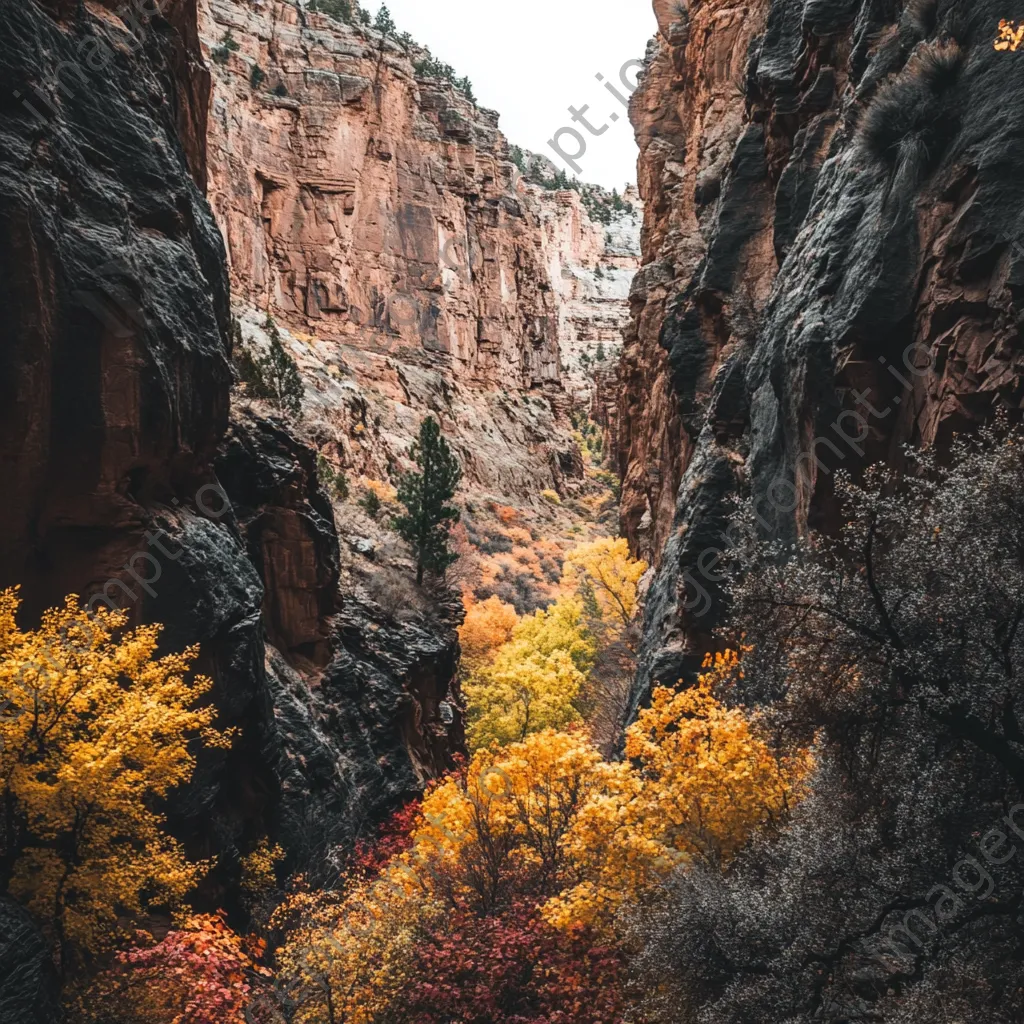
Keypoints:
pixel 487 626
pixel 505 513
pixel 1010 36
pixel 202 973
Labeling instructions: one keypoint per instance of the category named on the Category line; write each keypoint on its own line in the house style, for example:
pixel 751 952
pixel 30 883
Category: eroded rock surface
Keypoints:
pixel 124 482
pixel 376 214
pixel 831 269
pixel 29 990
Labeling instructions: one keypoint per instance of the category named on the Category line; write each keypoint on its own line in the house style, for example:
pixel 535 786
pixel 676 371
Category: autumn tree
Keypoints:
pixel 514 967
pixel 697 781
pixel 607 580
pixel 604 569
pixel 488 625
pixel 533 681
pixel 199 973
pixel 98 728
pixel 484 839
pixel 529 838
pixel 426 495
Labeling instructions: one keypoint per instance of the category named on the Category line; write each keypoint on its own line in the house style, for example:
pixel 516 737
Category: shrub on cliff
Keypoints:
pixel 228 45
pixel 897 649
pixel 273 377
pixel 426 495
pixel 334 481
pixel 340 10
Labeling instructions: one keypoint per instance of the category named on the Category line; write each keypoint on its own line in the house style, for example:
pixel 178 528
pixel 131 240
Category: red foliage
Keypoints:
pixel 515 969
pixel 371 856
pixel 207 962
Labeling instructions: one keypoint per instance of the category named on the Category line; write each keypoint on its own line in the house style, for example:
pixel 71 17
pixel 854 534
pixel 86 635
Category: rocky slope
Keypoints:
pixel 375 214
pixel 831 269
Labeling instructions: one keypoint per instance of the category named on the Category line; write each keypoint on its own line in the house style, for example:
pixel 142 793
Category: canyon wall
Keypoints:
pixel 131 483
pixel 831 270
pixel 375 214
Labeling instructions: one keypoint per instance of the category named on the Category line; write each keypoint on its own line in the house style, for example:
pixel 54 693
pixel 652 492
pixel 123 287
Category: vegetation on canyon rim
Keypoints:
pixel 426 66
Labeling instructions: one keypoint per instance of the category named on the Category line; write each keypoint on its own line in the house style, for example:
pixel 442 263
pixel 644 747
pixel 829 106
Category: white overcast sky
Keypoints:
pixel 532 59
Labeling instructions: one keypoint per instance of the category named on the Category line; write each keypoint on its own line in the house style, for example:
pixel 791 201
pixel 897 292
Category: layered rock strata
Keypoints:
pixel 375 214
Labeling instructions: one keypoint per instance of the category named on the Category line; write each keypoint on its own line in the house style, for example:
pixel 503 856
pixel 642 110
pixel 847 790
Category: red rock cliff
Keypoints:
pixel 376 214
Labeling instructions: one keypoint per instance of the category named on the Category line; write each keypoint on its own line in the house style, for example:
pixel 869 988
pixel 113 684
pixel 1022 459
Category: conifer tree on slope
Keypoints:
pixel 425 495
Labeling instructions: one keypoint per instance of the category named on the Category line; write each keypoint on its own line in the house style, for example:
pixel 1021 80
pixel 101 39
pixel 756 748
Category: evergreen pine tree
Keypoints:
pixel 280 382
pixel 425 495
pixel 384 23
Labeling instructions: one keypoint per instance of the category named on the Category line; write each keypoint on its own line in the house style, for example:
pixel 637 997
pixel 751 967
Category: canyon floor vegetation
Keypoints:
pixel 761 845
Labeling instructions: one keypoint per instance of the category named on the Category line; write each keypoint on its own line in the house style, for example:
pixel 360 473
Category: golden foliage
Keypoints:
pixel 548 821
pixel 538 678
pixel 1010 36
pixel 604 568
pixel 97 728
pixel 258 874
pixel 381 488
pixel 348 957
pixel 487 626
pixel 697 782
pixel 481 839
pixel 533 681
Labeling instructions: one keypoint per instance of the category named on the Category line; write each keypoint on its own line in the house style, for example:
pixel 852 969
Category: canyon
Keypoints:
pixel 411 268
pixel 821 267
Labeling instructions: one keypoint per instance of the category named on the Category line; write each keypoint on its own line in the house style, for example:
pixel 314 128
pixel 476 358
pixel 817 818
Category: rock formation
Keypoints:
pixel 831 270
pixel 375 213
pixel 29 988
pixel 125 484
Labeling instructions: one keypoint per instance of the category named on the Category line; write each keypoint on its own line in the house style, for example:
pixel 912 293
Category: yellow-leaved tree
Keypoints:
pixel 484 838
pixel 97 727
pixel 349 954
pixel 532 682
pixel 603 570
pixel 548 823
pixel 606 579
pixel 697 781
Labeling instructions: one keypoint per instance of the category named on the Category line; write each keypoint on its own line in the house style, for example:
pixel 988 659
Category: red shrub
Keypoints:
pixel 514 969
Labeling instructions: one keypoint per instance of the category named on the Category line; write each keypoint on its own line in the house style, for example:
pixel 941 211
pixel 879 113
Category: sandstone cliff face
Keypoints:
pixel 831 269
pixel 376 215
pixel 124 481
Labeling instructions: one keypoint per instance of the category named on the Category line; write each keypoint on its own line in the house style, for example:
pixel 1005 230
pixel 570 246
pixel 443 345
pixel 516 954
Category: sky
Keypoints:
pixel 532 59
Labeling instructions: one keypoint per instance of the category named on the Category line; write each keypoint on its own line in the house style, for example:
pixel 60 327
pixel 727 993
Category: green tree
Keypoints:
pixel 425 495
pixel 274 377
pixel 340 10
pixel 384 23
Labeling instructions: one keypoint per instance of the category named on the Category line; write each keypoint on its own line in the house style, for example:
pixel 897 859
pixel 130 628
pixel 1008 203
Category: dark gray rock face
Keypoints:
pixel 350 726
pixel 856 283
pixel 113 369
pixel 29 990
